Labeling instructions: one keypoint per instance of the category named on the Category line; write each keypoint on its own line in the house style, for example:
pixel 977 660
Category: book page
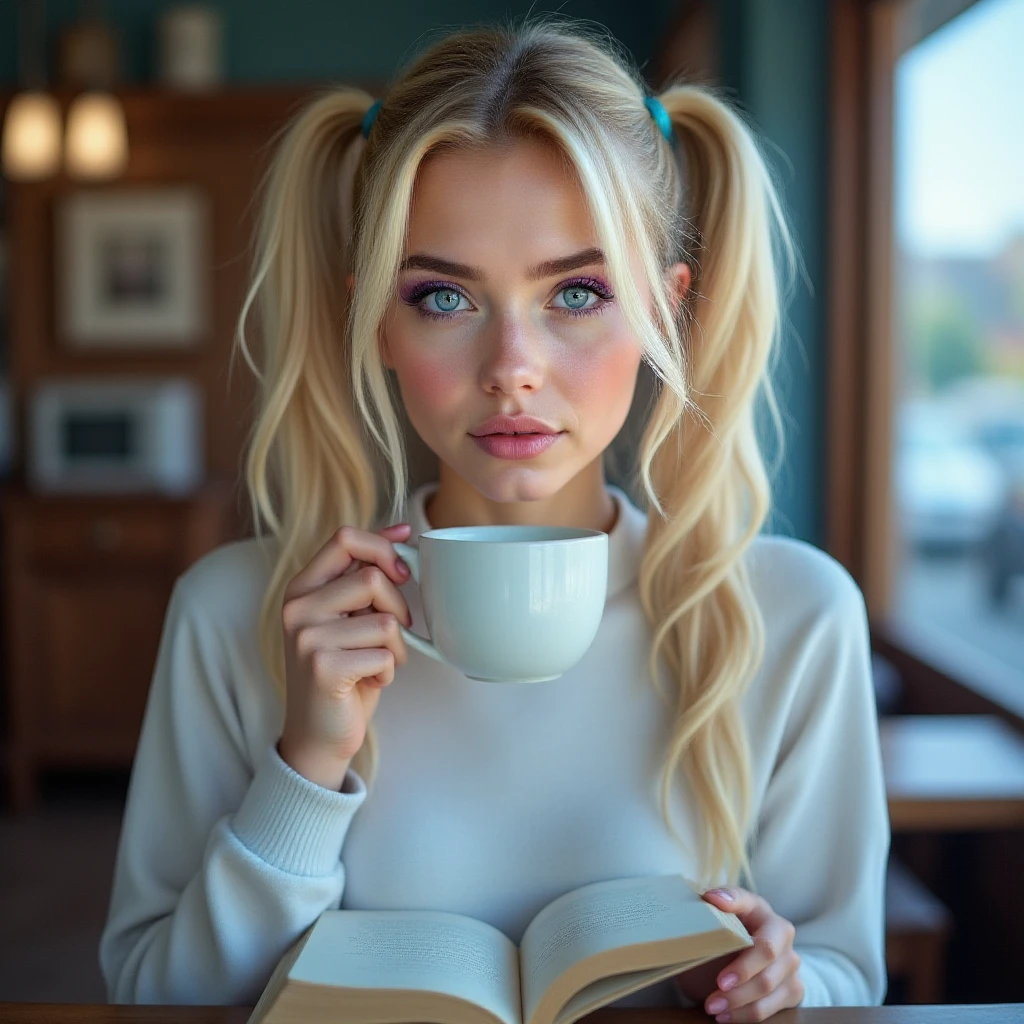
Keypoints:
pixel 605 916
pixel 278 978
pixel 427 950
pixel 607 990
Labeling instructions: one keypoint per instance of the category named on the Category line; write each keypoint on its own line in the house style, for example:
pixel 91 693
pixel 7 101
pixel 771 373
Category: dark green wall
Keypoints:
pixel 775 54
pixel 314 39
pixel 773 61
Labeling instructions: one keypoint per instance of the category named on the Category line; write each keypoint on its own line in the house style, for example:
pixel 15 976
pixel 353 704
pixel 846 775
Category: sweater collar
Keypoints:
pixel 625 541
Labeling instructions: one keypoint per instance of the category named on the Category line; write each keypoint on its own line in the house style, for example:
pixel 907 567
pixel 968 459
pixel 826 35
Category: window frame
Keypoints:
pixel 866 40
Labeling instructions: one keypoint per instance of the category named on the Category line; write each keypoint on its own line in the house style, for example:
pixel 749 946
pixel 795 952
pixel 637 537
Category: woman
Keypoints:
pixel 514 231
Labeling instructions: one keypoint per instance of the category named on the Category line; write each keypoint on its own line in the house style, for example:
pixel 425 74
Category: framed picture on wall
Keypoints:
pixel 132 268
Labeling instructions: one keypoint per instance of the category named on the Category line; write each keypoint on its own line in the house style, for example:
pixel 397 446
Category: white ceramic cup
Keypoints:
pixel 509 604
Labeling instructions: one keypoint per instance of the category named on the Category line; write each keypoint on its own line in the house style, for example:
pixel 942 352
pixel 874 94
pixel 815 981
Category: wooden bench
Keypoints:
pixel 917 928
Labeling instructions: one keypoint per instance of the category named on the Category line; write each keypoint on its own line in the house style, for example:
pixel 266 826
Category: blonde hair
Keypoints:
pixel 327 433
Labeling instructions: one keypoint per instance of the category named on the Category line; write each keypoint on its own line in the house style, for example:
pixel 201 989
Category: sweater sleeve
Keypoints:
pixel 220 864
pixel 823 839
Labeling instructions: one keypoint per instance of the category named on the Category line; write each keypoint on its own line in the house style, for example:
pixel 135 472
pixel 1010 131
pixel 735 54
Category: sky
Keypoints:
pixel 959 134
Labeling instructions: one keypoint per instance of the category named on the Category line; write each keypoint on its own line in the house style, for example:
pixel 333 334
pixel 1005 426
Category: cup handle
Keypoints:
pixel 412 558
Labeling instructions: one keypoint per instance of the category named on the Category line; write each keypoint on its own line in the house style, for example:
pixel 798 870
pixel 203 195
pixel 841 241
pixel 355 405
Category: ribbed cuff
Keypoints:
pixel 292 823
pixel 831 979
pixel 816 992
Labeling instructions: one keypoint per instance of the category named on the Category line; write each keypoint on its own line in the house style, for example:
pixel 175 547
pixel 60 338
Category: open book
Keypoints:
pixel 584 950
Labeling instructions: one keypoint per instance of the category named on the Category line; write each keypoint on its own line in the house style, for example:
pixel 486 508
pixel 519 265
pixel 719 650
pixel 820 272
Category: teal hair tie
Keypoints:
pixel 660 114
pixel 369 117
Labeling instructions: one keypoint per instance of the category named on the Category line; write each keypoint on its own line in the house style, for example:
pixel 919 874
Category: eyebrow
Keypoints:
pixel 558 265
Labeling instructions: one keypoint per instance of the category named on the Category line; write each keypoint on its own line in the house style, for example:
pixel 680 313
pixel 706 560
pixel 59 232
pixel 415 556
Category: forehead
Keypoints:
pixel 522 200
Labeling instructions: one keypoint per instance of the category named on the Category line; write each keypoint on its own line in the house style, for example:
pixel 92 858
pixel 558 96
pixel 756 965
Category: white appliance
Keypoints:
pixel 115 435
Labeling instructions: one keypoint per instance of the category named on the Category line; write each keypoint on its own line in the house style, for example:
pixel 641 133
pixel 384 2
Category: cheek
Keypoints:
pixel 602 379
pixel 434 384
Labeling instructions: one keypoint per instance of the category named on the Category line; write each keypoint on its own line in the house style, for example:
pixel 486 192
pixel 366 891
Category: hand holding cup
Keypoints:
pixel 340 616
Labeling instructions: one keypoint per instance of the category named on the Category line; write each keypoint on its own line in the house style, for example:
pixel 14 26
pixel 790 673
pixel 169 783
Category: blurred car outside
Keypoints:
pixel 950 491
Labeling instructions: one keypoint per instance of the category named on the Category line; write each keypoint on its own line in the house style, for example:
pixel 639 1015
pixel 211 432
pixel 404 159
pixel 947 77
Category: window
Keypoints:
pixel 926 467
pixel 958 442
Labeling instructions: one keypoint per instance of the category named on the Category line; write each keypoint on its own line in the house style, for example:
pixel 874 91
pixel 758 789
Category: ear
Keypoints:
pixel 677 280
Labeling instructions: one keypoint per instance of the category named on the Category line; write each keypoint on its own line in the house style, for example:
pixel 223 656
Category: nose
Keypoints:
pixel 514 356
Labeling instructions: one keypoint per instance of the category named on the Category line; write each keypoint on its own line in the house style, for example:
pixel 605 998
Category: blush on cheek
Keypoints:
pixel 603 380
pixel 431 384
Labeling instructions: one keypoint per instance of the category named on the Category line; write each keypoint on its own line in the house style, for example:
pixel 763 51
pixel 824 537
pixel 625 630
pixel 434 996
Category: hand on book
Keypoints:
pixel 760 981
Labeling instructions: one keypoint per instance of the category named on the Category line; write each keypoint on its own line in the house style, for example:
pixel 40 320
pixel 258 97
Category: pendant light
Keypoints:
pixel 96 145
pixel 31 148
pixel 97 142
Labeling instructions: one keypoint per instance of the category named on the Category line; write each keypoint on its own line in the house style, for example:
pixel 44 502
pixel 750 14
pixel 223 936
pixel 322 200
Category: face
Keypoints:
pixel 502 334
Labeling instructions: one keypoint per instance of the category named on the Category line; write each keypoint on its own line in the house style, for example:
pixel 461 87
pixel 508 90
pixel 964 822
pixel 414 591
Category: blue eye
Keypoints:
pixel 447 299
pixel 579 289
pixel 440 301
pixel 580 293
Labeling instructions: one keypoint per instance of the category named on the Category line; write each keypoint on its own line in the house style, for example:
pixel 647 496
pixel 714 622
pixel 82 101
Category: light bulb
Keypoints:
pixel 97 139
pixel 32 137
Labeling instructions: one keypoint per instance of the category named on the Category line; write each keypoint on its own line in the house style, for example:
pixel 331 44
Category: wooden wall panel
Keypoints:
pixel 218 143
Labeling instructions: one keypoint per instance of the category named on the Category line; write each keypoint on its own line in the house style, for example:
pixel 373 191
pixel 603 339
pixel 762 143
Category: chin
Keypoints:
pixel 521 482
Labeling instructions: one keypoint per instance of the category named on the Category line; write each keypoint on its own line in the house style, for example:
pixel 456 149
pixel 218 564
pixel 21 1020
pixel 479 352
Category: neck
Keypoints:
pixel 583 502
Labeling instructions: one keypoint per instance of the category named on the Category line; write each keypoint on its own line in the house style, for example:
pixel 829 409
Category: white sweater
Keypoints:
pixel 490 800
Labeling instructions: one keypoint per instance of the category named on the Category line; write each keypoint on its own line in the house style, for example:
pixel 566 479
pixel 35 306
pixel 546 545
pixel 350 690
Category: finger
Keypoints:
pixel 403 574
pixel 378 629
pixel 396 532
pixel 346 544
pixel 368 589
pixel 754 991
pixel 771 942
pixel 358 564
pixel 783 994
pixel 338 671
pixel 753 910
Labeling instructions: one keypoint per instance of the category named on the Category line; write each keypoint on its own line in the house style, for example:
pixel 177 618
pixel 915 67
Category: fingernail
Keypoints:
pixel 403 569
pixel 725 894
pixel 727 982
pixel 717 1006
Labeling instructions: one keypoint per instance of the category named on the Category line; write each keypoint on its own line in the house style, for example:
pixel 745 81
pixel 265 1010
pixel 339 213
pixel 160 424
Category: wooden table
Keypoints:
pixel 991 1013
pixel 952 773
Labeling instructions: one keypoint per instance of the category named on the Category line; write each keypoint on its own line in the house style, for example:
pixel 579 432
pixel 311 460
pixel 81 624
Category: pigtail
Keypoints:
pixel 303 256
pixel 706 467
pixel 737 227
pixel 307 467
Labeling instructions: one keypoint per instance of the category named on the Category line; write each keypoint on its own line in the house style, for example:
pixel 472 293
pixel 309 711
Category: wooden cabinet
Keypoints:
pixel 86 586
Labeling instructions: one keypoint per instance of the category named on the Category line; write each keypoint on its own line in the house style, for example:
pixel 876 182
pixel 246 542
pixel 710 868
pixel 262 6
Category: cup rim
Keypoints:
pixel 577 534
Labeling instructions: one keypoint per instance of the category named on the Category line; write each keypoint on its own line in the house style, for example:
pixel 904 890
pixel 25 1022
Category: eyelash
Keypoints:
pixel 429 287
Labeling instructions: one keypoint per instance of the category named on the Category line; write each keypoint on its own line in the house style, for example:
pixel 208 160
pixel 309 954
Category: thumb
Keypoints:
pixel 721 896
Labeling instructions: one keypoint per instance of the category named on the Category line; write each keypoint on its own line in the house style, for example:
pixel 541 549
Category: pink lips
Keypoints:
pixel 515 446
